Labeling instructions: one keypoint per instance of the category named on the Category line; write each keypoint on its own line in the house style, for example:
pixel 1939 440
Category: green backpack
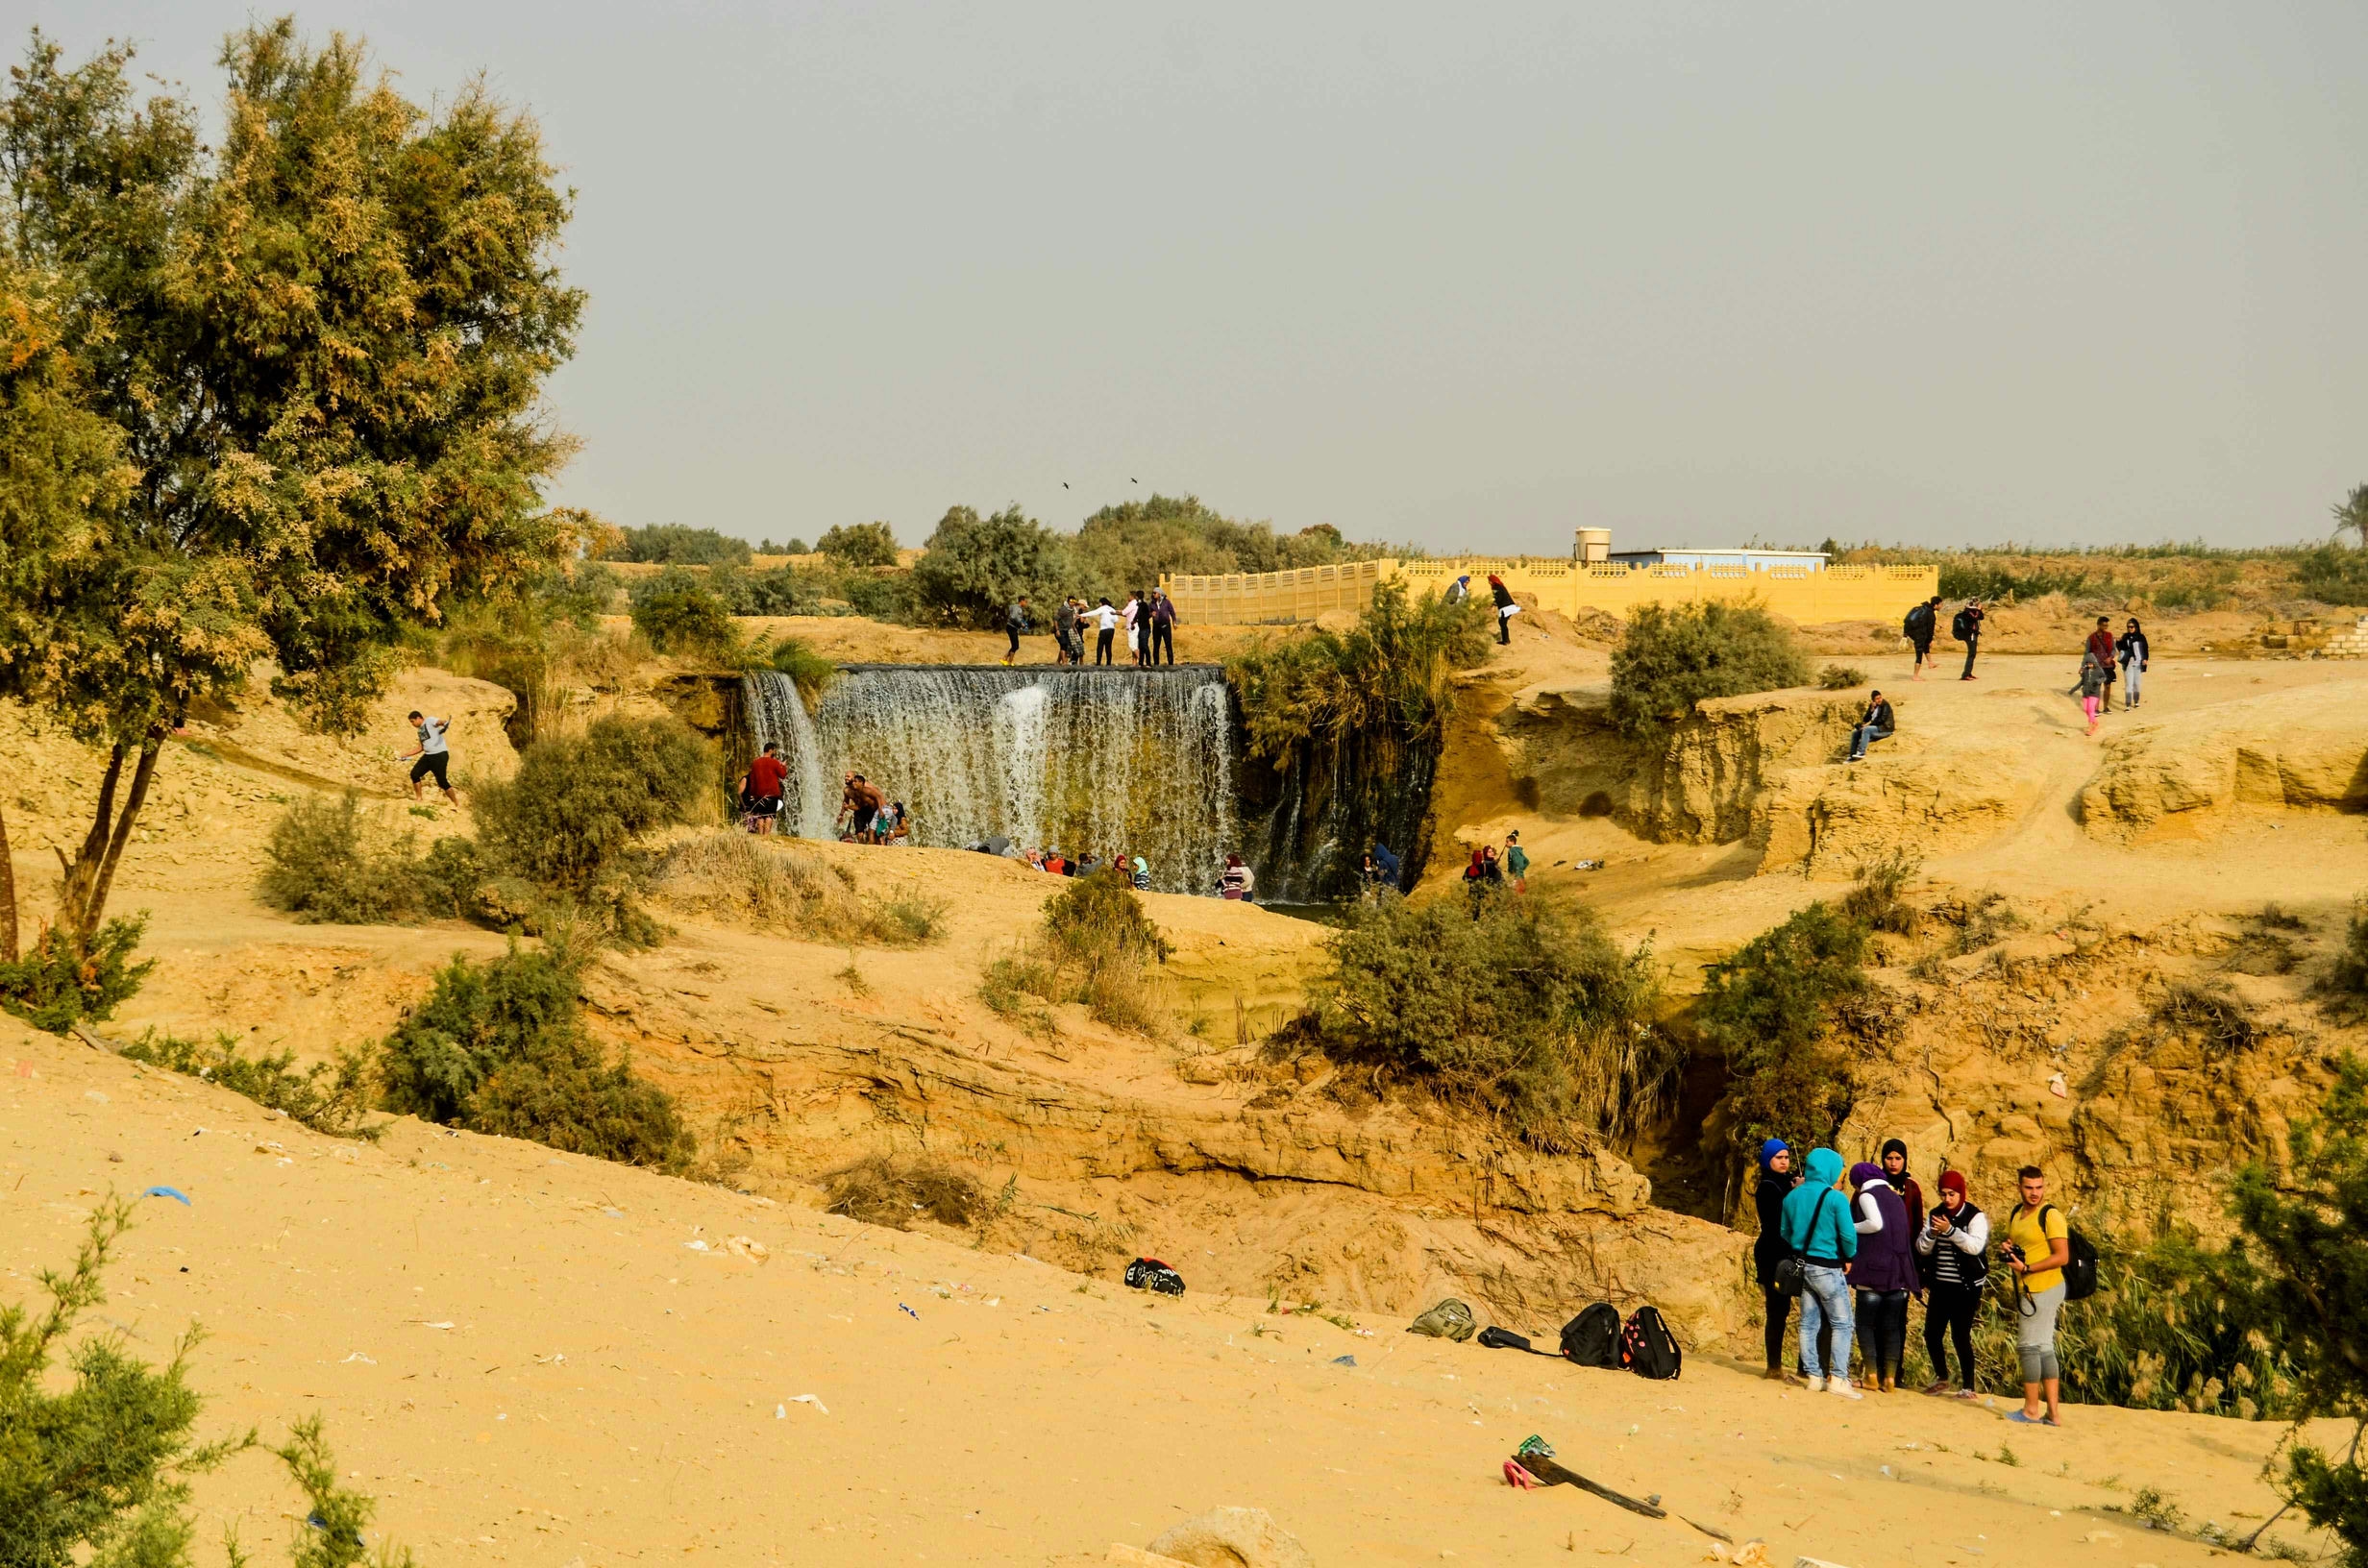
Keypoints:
pixel 1451 1319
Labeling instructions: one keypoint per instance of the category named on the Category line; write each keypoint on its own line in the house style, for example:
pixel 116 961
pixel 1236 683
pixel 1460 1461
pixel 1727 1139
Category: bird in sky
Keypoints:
pixel 1131 479
pixel 1063 485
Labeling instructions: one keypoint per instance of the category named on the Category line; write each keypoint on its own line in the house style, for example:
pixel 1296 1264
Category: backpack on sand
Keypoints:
pixel 1647 1346
pixel 1593 1337
pixel 1961 626
pixel 1451 1319
pixel 1496 1338
pixel 1150 1274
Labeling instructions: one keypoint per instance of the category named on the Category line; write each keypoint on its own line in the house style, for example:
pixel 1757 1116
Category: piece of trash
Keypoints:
pixel 614 1213
pixel 747 1247
pixel 174 1193
pixel 695 1246
pixel 1343 1360
pixel 1588 866
pixel 1518 1478
pixel 358 1355
pixel 810 1398
pixel 2055 1086
pixel 908 1312
pixel 1534 1444
pixel 425 1324
pixel 94 1095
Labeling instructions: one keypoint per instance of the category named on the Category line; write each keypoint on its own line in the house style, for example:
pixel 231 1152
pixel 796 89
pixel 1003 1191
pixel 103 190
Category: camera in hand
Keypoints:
pixel 2016 1252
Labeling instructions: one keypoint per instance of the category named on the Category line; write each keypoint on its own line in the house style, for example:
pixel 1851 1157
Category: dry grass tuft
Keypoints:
pixel 885 1189
pixel 737 876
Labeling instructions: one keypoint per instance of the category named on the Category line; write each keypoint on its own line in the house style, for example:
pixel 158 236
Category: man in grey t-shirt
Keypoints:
pixel 434 756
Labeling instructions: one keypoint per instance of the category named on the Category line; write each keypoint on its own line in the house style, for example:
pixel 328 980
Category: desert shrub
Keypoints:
pixel 1981 920
pixel 2210 1015
pixel 2345 987
pixel 1875 902
pixel 2303 1222
pixel 1672 657
pixel 1130 545
pixel 575 803
pixel 1096 947
pixel 333 862
pixel 682 615
pixel 2334 573
pixel 859 544
pixel 794 546
pixel 97 1463
pixel 1529 1009
pixel 55 985
pixel 1989 581
pixel 1841 678
pixel 1770 1011
pixel 884 1189
pixel 677 544
pixel 975 567
pixel 775 592
pixel 328 1097
pixel 741 877
pixel 500 1048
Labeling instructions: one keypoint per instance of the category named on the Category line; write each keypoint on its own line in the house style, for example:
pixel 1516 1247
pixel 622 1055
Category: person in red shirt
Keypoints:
pixel 2102 648
pixel 762 788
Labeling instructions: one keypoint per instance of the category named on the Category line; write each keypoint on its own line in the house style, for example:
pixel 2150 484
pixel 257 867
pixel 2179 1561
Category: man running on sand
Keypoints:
pixel 434 756
pixel 861 802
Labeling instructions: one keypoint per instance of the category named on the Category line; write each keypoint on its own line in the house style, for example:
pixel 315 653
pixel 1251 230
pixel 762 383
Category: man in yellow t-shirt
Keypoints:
pixel 2038 1244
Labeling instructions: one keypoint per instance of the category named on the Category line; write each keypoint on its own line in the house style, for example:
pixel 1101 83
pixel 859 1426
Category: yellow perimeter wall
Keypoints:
pixel 1837 593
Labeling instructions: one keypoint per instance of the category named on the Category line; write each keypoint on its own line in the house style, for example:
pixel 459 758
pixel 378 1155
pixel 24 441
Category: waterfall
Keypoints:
pixel 1096 763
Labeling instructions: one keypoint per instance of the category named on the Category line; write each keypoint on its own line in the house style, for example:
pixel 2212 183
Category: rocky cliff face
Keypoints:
pixel 2299 750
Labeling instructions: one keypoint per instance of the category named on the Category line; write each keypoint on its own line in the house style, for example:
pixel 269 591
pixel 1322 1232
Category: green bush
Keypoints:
pixel 1527 1009
pixel 2334 574
pixel 1672 657
pixel 501 1048
pixel 808 671
pixel 860 544
pixel 97 1465
pixel 576 804
pixel 976 567
pixel 332 862
pixel 676 543
pixel 682 615
pixel 326 1097
pixel 1131 546
pixel 794 546
pixel 2346 984
pixel 765 882
pixel 1841 678
pixel 1770 1011
pixel 55 985
pixel 2304 1222
pixel 779 590
pixel 1096 946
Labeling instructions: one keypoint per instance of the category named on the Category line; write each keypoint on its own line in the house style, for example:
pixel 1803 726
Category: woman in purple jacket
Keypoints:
pixel 1884 1274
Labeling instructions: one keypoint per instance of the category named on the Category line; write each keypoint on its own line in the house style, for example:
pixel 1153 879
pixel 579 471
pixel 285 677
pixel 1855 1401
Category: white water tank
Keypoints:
pixel 1593 545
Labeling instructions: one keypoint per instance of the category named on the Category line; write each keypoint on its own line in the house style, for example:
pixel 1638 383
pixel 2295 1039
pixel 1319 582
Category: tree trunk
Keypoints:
pixel 87 877
pixel 8 897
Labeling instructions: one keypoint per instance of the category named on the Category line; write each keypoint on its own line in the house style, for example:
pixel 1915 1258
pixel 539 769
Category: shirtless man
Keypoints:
pixel 861 802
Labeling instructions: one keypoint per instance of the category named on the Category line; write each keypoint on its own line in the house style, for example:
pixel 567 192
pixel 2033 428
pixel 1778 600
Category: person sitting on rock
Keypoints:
pixel 1877 724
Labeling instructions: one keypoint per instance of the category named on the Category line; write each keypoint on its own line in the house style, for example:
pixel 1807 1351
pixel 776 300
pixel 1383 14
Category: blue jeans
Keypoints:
pixel 1825 1298
pixel 1860 736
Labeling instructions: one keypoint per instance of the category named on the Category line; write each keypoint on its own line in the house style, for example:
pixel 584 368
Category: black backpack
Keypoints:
pixel 1647 1346
pixel 1150 1274
pixel 1918 627
pixel 2079 1267
pixel 1593 1337
pixel 1496 1338
pixel 1961 627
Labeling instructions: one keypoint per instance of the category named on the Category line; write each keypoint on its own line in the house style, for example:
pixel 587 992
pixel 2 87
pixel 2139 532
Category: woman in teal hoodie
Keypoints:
pixel 1818 1226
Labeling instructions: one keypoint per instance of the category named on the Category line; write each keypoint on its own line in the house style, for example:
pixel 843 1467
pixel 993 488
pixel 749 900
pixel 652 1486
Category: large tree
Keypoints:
pixel 283 392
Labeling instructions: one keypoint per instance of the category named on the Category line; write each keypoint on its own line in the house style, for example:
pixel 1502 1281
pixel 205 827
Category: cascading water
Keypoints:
pixel 1132 760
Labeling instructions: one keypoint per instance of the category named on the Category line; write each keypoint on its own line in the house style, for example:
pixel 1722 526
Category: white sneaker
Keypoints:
pixel 1816 1385
pixel 1842 1387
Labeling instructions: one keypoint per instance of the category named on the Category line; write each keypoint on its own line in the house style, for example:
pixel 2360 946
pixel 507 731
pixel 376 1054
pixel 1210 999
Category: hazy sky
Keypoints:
pixel 1468 276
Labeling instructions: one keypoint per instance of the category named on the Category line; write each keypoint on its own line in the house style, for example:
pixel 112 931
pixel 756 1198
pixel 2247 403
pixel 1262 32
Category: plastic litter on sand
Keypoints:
pixel 173 1192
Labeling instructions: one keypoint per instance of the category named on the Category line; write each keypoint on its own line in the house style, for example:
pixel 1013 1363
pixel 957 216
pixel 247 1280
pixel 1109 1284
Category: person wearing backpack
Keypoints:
pixel 2038 1245
pixel 1777 1180
pixel 1818 1229
pixel 1966 628
pixel 1919 629
pixel 1953 1247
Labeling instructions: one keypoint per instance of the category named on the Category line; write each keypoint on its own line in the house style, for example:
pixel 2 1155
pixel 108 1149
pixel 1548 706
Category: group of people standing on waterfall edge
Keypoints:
pixel 2104 658
pixel 1857 1249
pixel 1149 620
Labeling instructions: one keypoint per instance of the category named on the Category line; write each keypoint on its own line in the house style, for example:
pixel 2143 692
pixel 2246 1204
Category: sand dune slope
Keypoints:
pixel 541 1360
